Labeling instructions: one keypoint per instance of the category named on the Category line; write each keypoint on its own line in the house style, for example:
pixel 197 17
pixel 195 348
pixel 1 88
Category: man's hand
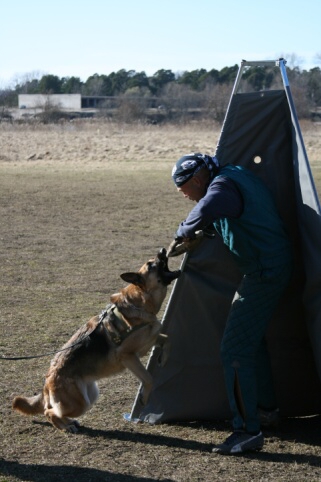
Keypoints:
pixel 182 245
pixel 171 250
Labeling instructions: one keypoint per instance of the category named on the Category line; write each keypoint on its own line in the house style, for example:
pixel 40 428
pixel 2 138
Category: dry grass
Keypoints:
pixel 79 204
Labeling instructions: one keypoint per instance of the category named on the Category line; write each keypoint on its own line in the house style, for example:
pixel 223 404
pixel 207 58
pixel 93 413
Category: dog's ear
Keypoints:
pixel 134 278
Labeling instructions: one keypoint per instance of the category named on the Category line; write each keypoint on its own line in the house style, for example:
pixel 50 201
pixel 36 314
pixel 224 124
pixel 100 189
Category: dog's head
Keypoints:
pixel 153 273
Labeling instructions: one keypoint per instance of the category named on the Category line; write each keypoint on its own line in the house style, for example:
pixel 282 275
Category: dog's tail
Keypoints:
pixel 29 405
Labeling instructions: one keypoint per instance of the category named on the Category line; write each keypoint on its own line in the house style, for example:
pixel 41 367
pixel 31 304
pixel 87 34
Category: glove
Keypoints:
pixel 180 246
pixel 171 250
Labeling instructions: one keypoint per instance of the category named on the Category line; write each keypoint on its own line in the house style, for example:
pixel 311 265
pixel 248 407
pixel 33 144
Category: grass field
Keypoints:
pixel 80 204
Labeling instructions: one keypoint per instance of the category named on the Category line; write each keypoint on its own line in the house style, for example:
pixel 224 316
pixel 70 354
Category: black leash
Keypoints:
pixel 101 319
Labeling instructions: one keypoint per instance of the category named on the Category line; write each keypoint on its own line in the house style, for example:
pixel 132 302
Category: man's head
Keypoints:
pixel 192 174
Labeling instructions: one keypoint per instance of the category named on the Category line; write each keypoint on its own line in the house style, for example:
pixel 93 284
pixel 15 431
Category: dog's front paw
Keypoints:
pixel 164 354
pixel 142 399
pixel 144 394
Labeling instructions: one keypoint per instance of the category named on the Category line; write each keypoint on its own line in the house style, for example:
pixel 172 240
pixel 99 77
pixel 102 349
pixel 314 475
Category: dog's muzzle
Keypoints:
pixel 164 272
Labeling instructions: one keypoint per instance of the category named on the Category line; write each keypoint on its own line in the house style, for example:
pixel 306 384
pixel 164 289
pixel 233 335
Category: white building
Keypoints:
pixel 39 101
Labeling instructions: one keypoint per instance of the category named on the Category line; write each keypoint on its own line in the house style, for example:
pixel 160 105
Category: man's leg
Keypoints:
pixel 251 310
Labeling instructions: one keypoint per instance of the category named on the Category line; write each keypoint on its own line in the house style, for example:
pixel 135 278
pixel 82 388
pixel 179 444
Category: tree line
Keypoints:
pixel 195 89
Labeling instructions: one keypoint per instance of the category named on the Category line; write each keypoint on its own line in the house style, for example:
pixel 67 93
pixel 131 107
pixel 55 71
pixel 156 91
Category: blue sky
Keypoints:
pixel 81 38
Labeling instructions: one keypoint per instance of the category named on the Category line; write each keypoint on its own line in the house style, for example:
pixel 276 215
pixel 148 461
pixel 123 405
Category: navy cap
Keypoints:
pixel 187 166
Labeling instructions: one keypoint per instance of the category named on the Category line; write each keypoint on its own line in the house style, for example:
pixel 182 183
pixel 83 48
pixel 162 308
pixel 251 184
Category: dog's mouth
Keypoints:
pixel 166 276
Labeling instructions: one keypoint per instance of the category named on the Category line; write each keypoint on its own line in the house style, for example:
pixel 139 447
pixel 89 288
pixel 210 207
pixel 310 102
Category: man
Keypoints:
pixel 243 213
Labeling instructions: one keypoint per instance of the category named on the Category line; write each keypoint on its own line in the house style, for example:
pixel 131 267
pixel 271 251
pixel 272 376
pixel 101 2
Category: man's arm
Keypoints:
pixel 222 199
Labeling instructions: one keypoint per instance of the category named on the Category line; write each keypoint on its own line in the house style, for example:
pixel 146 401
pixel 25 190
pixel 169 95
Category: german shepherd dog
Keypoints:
pixel 104 346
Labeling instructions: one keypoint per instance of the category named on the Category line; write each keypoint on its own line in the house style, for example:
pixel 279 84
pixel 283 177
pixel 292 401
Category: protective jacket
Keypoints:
pixel 256 236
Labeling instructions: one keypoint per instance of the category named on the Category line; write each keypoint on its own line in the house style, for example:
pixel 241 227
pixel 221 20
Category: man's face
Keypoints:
pixel 193 189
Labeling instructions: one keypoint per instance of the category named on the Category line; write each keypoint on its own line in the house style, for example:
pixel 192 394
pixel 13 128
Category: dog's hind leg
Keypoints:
pixel 62 423
pixel 133 363
pixel 72 401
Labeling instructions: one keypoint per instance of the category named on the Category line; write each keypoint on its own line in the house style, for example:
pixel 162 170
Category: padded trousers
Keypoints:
pixel 244 354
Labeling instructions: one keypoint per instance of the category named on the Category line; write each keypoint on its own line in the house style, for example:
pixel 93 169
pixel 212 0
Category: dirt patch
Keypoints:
pixel 80 204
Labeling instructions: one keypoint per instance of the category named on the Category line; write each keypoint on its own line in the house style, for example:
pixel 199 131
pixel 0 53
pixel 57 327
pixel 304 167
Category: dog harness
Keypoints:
pixel 116 325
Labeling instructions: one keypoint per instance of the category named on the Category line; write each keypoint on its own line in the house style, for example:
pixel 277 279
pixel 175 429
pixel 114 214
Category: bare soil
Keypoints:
pixel 79 204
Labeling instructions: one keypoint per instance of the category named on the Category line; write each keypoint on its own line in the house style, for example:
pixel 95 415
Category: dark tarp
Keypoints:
pixel 191 385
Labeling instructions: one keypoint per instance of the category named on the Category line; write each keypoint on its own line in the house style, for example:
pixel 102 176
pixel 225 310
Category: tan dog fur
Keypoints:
pixel 70 387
